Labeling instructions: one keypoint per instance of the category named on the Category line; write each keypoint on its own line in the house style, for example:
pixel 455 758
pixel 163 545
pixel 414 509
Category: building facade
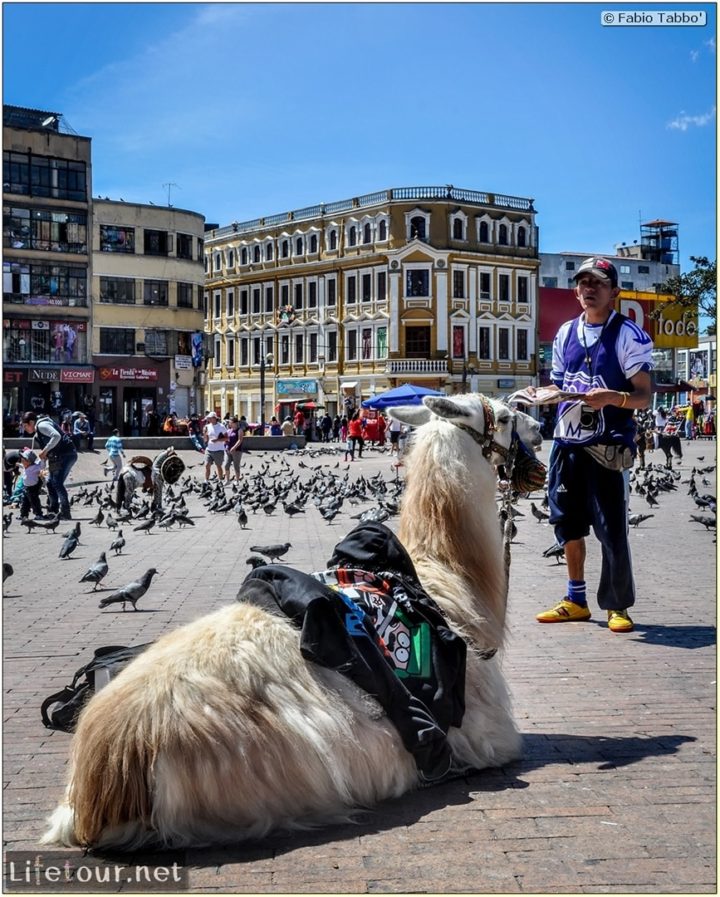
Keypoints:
pixel 147 288
pixel 334 303
pixel 47 208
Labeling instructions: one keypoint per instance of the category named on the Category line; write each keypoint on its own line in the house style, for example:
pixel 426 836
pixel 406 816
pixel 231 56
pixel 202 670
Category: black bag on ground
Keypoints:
pixel 61 710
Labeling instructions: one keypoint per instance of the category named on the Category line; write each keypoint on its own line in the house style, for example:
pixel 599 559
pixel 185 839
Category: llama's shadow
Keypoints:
pixel 539 750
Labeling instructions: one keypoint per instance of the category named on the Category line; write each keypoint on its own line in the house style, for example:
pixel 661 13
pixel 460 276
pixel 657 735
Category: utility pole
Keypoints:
pixel 169 186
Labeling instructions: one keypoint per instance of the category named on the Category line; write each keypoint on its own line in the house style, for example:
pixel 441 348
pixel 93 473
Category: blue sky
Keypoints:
pixel 254 109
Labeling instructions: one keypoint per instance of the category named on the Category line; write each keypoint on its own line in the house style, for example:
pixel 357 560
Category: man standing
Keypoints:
pixel 608 358
pixel 58 449
pixel 215 434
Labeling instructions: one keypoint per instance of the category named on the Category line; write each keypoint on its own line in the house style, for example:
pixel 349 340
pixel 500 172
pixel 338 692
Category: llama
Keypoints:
pixel 221 731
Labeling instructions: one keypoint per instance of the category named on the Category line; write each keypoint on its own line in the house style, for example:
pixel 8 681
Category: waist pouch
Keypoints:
pixel 613 457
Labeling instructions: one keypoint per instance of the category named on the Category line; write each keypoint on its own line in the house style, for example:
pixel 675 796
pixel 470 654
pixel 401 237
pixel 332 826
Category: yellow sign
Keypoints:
pixel 670 326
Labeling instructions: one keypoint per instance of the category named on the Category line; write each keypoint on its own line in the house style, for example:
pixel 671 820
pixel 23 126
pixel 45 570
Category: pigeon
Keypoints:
pixel 118 544
pixel 7 520
pixel 650 499
pixel 539 515
pixel 97 572
pixel 75 532
pixel 49 525
pixel 636 519
pixel 291 508
pixel 555 551
pixel 145 526
pixel 7 570
pixel 132 592
pixel 30 524
pixel 242 517
pixel 68 546
pixel 99 517
pixel 708 520
pixel 256 562
pixel 272 551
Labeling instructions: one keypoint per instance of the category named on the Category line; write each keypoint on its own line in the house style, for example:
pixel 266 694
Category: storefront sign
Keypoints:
pixel 297 387
pixel 43 375
pixel 77 375
pixel 506 383
pixel 120 373
pixel 183 362
pixel 14 377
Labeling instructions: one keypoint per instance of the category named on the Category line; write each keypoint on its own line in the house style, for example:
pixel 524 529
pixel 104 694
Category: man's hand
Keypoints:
pixel 598 398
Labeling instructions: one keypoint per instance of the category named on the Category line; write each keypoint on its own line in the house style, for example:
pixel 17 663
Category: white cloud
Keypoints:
pixel 683 121
pixel 694 55
pixel 710 44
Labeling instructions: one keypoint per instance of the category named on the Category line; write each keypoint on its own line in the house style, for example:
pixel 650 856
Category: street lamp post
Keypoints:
pixel 264 360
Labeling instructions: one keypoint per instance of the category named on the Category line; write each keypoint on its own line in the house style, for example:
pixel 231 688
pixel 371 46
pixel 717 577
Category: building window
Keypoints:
pixel 256 301
pixel 503 343
pixel 417 228
pixel 156 242
pixel 504 288
pixel 216 354
pixel 331 345
pixel 243 256
pixel 352 289
pixel 299 246
pixel 156 343
pixel 484 232
pixel 521 236
pixel 484 285
pixel 285 248
pixel 312 294
pixel 117 290
pixel 550 282
pixel 256 255
pixel 243 302
pixel 381 286
pixel 332 291
pixel 417 342
pixel 256 350
pixel 117 239
pixel 484 344
pixel 313 243
pixel 382 342
pixel 33 175
pixel 231 258
pixel 230 351
pixel 244 350
pixel 298 295
pixel 382 231
pixel 352 348
pixel 269 252
pixel 643 269
pixel 503 235
pixel 205 304
pixel 155 292
pixel 332 240
pixel 569 266
pixel 627 285
pixel 624 269
pixel 352 236
pixel 269 298
pixel 367 233
pixel 522 345
pixel 217 299
pixel 457 229
pixel 285 294
pixel 299 346
pixel 458 341
pixel 184 246
pixel 230 303
pixel 185 295
pixel 313 348
pixel 522 289
pixel 458 284
pixel 366 287
pixel 27 284
pixel 417 283
pixel 366 343
pixel 44 229
pixel 117 341
pixel 285 349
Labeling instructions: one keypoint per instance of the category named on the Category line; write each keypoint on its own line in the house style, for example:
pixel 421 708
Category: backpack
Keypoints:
pixel 61 710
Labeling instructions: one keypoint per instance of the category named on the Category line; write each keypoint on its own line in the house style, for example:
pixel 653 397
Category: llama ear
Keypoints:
pixel 412 415
pixel 445 407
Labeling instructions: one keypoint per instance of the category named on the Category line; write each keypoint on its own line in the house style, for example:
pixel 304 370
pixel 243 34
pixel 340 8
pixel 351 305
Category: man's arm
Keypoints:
pixel 638 398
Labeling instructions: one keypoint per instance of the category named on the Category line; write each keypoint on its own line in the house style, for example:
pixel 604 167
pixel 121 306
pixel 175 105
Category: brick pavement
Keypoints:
pixel 616 789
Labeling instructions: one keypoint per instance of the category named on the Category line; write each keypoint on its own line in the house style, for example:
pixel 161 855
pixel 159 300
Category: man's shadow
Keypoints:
pixel 539 750
pixel 676 636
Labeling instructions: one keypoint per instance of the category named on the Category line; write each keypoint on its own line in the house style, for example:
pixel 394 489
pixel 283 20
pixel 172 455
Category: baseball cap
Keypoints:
pixel 211 414
pixel 29 455
pixel 600 268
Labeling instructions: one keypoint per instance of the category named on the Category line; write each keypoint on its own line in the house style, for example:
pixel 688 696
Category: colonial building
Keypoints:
pixel 147 286
pixel 46 214
pixel 430 285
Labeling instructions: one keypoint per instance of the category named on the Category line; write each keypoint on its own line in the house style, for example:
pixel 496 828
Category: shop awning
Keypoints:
pixel 350 384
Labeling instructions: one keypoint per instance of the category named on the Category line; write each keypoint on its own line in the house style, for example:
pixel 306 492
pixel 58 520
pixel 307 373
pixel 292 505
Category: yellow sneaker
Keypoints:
pixel 619 621
pixel 564 612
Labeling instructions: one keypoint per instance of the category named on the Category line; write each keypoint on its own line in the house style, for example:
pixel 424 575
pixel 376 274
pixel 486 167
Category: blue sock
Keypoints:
pixel 576 592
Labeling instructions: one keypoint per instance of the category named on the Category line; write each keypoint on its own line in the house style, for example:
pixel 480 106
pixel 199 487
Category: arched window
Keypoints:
pixel 313 243
pixel 268 251
pixel 231 258
pixel 256 254
pixel 333 239
pixel 382 230
pixel 367 234
pixel 298 246
pixel 484 232
pixel 417 228
pixel 352 236
pixel 457 229
pixel 285 248
pixel 503 235
pixel 243 256
pixel 521 236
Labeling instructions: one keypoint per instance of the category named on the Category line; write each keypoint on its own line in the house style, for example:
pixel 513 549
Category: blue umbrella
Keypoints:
pixel 407 394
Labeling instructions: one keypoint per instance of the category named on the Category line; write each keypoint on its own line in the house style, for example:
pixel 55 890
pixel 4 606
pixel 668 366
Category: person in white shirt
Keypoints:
pixel 215 434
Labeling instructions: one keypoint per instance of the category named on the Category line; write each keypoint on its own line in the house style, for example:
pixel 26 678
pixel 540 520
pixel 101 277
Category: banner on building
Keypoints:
pixel 297 387
pixel 120 373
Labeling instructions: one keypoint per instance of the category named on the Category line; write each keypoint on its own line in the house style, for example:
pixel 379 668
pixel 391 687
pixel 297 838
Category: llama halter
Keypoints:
pixel 486 440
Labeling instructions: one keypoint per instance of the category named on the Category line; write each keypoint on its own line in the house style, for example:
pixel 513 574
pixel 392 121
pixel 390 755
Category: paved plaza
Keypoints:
pixel 616 791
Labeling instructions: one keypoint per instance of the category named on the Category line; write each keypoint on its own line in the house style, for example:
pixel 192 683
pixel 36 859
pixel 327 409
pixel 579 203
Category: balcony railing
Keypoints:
pixel 417 366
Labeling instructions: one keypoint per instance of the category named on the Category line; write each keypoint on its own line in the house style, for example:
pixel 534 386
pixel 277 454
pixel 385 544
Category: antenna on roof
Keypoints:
pixel 169 186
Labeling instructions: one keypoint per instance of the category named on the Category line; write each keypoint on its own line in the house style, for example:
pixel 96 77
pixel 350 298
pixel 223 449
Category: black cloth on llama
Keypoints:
pixel 368 617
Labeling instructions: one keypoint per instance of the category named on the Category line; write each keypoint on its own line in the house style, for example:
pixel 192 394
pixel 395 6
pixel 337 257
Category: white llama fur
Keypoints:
pixel 221 731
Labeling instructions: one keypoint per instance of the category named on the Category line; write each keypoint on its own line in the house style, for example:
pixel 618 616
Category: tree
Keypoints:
pixel 696 289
